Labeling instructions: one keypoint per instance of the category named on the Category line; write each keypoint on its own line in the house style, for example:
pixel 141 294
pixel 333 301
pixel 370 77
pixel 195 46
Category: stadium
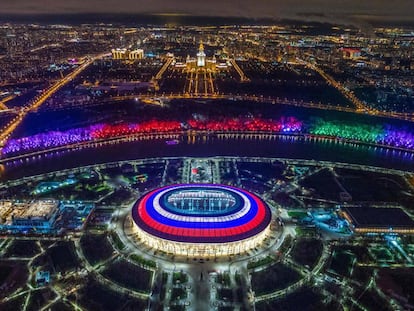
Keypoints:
pixel 203 220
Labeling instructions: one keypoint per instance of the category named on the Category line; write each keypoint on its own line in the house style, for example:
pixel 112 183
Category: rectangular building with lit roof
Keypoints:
pixel 378 220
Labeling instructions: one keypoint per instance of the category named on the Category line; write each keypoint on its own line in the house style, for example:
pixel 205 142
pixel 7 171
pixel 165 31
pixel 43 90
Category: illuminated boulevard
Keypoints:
pixel 45 95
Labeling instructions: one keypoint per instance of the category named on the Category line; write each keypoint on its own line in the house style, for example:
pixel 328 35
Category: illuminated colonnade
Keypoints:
pixel 201 249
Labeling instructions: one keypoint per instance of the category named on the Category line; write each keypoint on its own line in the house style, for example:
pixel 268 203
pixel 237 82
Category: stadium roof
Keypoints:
pixel 150 215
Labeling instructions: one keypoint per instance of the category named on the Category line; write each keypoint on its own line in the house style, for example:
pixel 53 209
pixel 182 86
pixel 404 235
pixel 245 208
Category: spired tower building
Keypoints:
pixel 201 56
pixel 201 73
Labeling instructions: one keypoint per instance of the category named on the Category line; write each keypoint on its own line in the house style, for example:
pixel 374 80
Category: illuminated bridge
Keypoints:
pixel 204 220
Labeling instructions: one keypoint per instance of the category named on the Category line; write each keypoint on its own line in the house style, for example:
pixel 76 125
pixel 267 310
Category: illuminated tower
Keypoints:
pixel 201 56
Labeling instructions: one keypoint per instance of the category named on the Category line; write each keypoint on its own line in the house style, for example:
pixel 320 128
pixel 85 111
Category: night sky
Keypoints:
pixel 306 9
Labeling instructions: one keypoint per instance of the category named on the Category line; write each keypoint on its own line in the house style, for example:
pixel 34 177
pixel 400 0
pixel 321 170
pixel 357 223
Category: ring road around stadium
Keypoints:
pixel 204 220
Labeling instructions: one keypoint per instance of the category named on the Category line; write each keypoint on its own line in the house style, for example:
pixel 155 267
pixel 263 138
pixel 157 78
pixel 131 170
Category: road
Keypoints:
pixel 43 97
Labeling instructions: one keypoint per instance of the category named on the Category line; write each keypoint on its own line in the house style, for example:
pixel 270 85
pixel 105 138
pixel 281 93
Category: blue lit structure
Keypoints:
pixel 43 216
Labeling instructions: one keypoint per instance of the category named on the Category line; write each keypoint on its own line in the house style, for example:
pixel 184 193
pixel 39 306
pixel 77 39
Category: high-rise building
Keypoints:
pixel 201 56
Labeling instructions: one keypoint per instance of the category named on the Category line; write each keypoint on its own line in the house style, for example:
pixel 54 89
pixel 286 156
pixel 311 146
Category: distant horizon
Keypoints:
pixel 339 12
pixel 197 19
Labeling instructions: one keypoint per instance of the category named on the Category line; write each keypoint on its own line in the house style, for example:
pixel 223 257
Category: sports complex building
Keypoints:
pixel 203 220
pixel 43 216
pixel 379 220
